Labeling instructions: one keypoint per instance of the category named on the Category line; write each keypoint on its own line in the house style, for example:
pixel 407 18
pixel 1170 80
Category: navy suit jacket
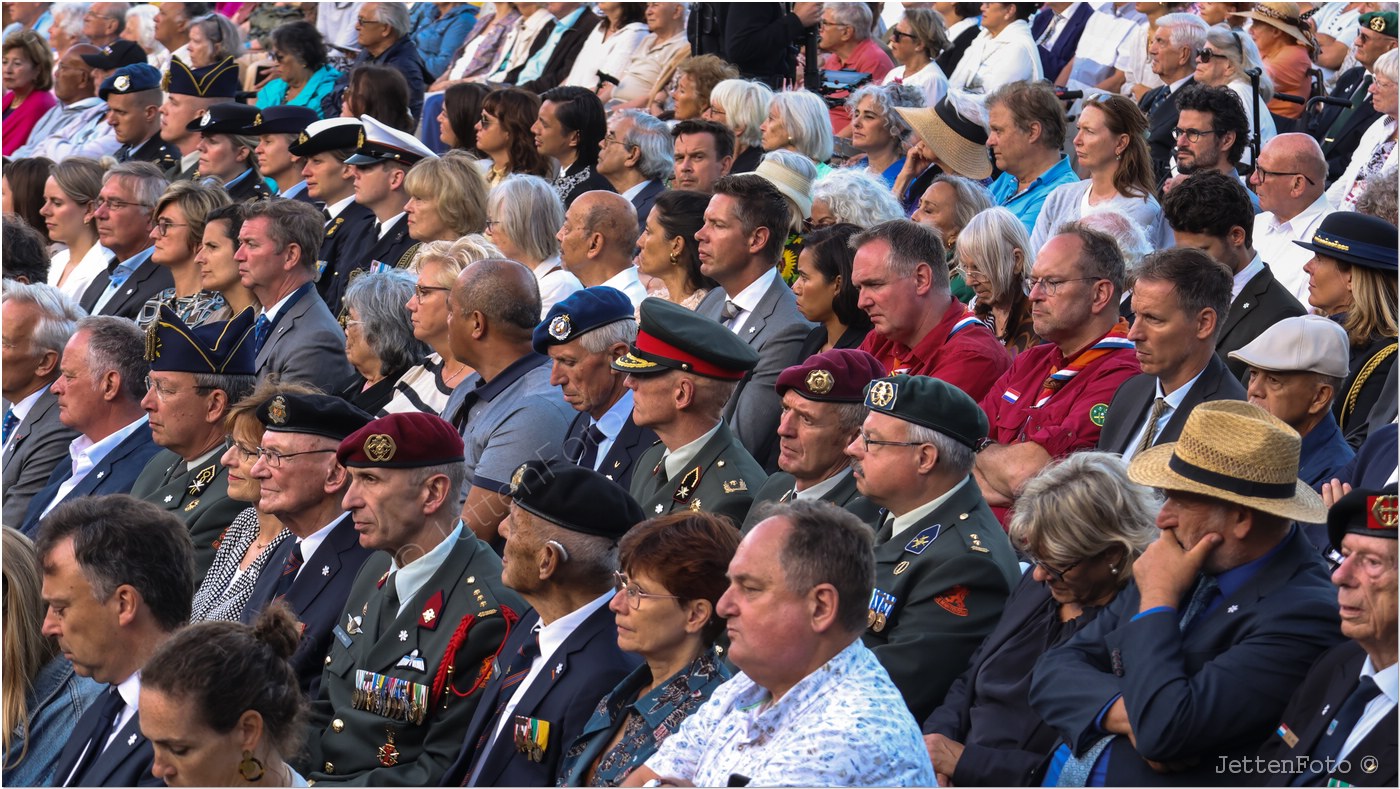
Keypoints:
pixel 1053 60
pixel 317 596
pixel 584 668
pixel 144 283
pixel 1132 404
pixel 645 199
pixel 1217 690
pixel 1338 148
pixel 1162 114
pixel 116 473
pixel 125 762
pixel 1374 460
pixel 622 456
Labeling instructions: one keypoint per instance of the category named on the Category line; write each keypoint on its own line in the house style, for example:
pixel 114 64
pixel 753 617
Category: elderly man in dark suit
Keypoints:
pixel 636 159
pixel 1194 661
pixel 1179 295
pixel 99 390
pixel 1172 50
pixel 1340 726
pixel 38 321
pixel 561 556
pixel 123 213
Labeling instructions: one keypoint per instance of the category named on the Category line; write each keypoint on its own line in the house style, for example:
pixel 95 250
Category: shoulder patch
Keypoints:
pixel 1098 414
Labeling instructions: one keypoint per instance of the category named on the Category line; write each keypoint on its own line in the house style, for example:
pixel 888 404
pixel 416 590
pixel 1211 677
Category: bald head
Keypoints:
pixel 598 237
pixel 1302 154
pixel 74 79
pixel 1294 177
pixel 504 292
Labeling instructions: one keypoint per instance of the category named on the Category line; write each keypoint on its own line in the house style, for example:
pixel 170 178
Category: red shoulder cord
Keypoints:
pixel 442 682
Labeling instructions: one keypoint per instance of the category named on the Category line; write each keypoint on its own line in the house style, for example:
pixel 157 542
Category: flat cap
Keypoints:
pixel 115 55
pixel 230 117
pixel 1302 344
pixel 580 313
pixel 671 337
pixel 575 498
pixel 407 440
pixel 331 134
pixel 382 143
pixel 217 81
pixel 1358 239
pixel 130 79
pixel 219 348
pixel 317 415
pixel 281 119
pixel 837 376
pixel 929 402
pixel 1370 513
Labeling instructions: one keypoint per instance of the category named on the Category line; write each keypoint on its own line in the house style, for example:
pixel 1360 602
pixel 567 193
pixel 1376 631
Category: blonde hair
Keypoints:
pixel 456 186
pixel 1372 312
pixel 26 649
pixel 455 256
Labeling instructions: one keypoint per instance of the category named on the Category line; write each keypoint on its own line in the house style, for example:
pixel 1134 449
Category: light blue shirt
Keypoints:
pixel 120 275
pixel 1025 204
pixel 409 579
pixel 611 425
pixel 534 67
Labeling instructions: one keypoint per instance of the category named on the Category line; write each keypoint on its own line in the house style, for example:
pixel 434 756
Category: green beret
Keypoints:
pixel 929 402
pixel 1383 22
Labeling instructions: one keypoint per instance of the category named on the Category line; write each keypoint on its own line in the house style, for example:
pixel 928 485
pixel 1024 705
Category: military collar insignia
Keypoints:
pixel 688 485
pixel 923 539
pixel 203 478
pixel 432 612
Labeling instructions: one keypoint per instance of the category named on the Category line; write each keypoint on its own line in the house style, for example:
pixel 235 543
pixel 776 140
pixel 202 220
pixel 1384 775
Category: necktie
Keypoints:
pixel 1207 589
pixel 730 312
pixel 1330 746
pixel 261 328
pixel 326 215
pixel 111 708
pixel 1049 31
pixel 11 422
pixel 591 438
pixel 289 572
pixel 1358 98
pixel 886 530
pixel 1158 406
pixel 519 669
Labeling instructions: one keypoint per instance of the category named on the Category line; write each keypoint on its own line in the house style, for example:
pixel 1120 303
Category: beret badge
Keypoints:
pixel 1386 511
pixel 277 411
pixel 561 327
pixel 122 83
pixel 206 119
pixel 1378 24
pixel 380 448
pixel 882 395
pixel 517 479
pixel 820 382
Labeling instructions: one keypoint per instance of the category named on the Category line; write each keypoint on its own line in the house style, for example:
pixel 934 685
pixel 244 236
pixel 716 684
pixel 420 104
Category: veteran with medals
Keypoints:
pixel 943 565
pixel 423 621
pixel 682 370
pixel 196 376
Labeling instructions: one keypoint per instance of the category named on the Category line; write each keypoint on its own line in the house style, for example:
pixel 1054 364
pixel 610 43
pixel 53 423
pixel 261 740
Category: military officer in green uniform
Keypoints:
pixel 196 376
pixel 943 565
pixel 423 621
pixel 823 406
pixel 682 370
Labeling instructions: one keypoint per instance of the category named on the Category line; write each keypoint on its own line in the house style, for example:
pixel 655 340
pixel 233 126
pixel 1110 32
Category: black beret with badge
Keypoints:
pixel 317 415
pixel 331 134
pixel 407 440
pixel 229 117
pixel 575 498
pixel 130 79
pixel 836 376
pixel 1369 513
pixel 281 119
pixel 671 337
pixel 218 348
pixel 930 402
pixel 219 81
pixel 115 55
pixel 580 313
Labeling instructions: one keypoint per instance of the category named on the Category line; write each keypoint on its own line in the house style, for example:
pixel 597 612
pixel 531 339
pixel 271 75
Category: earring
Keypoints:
pixel 675 259
pixel 250 768
pixel 1118 157
pixel 1113 570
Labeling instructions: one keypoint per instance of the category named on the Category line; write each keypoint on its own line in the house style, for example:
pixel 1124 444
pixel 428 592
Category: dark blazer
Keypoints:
pixel 115 474
pixel 1053 60
pixel 1372 368
pixel 591 182
pixel 541 38
pixel 584 668
pixel 850 338
pixel 1374 460
pixel 1261 304
pixel 155 150
pixel 249 190
pixel 1132 404
pixel 645 199
pixel 776 330
pixel 561 60
pixel 317 596
pixel 721 480
pixel 948 61
pixel 198 497
pixel 1162 113
pixel 845 495
pixel 347 239
pixel 126 762
pixel 395 249
pixel 1216 691
pixel 146 281
pixel 308 345
pixel 626 450
pixel 1339 147
pixel 39 444
pixel 402 55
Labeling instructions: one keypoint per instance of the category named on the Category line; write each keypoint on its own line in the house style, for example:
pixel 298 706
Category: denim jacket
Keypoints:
pixel 55 702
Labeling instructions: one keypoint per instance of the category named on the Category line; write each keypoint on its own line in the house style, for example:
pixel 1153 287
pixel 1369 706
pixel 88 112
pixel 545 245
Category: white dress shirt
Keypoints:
pixel 747 299
pixel 85 454
pixel 1273 240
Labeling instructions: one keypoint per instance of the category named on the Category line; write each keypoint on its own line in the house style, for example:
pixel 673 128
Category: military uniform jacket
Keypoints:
pixel 39 444
pixel 343 250
pixel 779 488
pixel 1328 683
pixel 396 249
pixel 458 619
pixel 249 190
pixel 721 480
pixel 1338 148
pixel 198 497
pixel 155 150
pixel 940 588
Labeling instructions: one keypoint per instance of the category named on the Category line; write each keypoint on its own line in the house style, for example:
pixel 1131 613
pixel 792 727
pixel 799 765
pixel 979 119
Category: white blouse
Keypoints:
pixel 82 275
pixel 608 57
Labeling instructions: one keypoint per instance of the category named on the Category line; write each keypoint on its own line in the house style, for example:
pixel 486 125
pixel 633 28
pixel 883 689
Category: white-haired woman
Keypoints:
pixel 1222 63
pixel 798 121
pixel 742 105
pixel 878 131
pixel 994 258
pixel 853 195
pixel 523 217
pixel 1376 151
pixel 794 175
pixel 141 30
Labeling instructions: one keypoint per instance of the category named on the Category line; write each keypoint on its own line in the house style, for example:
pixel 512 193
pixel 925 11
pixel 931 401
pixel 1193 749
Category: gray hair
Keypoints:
pixel 910 244
pixel 1132 241
pixel 1378 196
pixel 58 314
pixel 1100 258
pixel 117 344
pixel 394 16
pixel 849 416
pixel 235 386
pixel 222 34
pixel 808 125
pixel 142 19
pixel 928 27
pixel 599 340
pixel 1184 30
pixel 68 17
pixel 828 545
pixel 991 239
pixel 886 98
pixel 529 213
pixel 954 455
pixel 857 196
pixel 1386 65
pixel 969 197
pixel 745 105
pixel 800 166
pixel 290 222
pixel 455 255
pixel 456 474
pixel 590 559
pixel 653 138
pixel 1082 506
pixel 115 12
pixel 1239 48
pixel 146 181
pixel 857 15
pixel 378 299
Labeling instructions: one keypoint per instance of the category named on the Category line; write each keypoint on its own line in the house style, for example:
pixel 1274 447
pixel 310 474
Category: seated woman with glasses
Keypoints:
pixel 254 535
pixel 1081 524
pixel 213 37
pixel 379 339
pixel 993 259
pixel 302 75
pixel 673 576
pixel 504 138
pixel 178 233
pixel 525 216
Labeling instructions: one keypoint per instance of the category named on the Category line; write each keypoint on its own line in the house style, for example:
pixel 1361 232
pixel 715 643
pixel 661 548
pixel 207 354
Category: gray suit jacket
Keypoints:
pixel 40 442
pixel 776 330
pixel 308 345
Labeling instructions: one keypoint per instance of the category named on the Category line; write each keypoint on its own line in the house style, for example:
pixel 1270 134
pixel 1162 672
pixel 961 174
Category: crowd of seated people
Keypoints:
pixel 827 394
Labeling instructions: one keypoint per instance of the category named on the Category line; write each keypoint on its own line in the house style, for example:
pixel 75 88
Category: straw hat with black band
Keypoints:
pixel 959 143
pixel 1235 452
pixel 1288 17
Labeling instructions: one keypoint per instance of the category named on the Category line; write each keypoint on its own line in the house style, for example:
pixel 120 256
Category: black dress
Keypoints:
pixel 851 338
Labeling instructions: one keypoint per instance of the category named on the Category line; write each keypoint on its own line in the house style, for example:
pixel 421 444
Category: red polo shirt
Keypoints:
pixel 960 350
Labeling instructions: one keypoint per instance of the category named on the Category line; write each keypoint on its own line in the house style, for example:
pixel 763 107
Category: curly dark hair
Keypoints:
pixel 1227 112
pixel 301 40
pixel 1210 203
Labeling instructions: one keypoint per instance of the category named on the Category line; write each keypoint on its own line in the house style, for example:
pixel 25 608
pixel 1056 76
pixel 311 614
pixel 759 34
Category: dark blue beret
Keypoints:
pixel 317 415
pixel 582 312
pixel 130 79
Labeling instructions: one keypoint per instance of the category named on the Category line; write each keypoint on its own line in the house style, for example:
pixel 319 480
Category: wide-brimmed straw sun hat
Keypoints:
pixel 1236 452
pixel 959 142
pixel 1287 17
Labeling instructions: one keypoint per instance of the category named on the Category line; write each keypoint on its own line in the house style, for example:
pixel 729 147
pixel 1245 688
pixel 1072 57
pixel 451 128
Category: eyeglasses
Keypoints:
pixel 1193 135
pixel 825 23
pixel 970 274
pixel 244 453
pixel 361 22
pixel 163 226
pixel 490 223
pixel 164 390
pixel 1264 175
pixel 421 291
pixel 485 121
pixel 115 205
pixel 896 35
pixel 274 459
pixel 867 442
pixel 1050 286
pixel 1206 56
pixel 611 139
pixel 634 592
pixel 347 323
pixel 1058 575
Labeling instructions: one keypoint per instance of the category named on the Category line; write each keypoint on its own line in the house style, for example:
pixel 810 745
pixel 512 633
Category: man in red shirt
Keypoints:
pixel 845 37
pixel 920 328
pixel 1054 399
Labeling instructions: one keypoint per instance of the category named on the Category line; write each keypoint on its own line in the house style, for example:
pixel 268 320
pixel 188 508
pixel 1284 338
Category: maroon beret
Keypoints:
pixel 837 376
pixel 411 440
